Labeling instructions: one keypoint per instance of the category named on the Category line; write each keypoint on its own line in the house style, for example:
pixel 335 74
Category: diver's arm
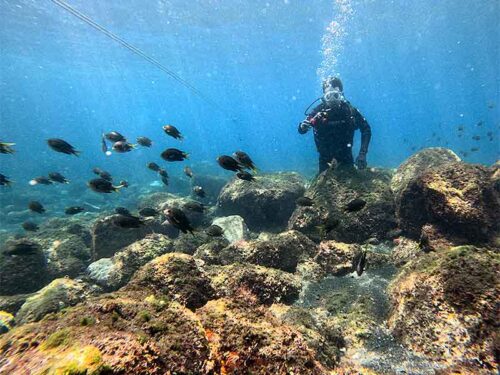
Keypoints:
pixel 366 135
pixel 308 123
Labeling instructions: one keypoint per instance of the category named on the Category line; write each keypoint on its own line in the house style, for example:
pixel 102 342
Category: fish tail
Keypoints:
pixel 186 155
pixel 76 153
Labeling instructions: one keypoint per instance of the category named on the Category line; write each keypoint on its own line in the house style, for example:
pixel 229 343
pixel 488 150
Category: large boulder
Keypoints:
pixel 107 238
pixel 445 305
pixel 234 227
pixel 460 202
pixel 332 191
pixel 420 163
pixel 175 276
pixel 267 284
pixel 59 294
pixel 68 256
pixel 23 271
pixel 113 273
pixel 282 251
pixel 264 204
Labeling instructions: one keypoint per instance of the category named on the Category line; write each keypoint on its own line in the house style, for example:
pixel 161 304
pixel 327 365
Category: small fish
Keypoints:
pixel 474 149
pixel 179 220
pixel 144 141
pixel 57 177
pixel 104 146
pixel 122 147
pixel 148 212
pixel 476 137
pixel 100 185
pixel 153 166
pixel 30 226
pixel 163 172
pixel 491 104
pixel 188 172
pixel 194 206
pixel 4 180
pixel 6 148
pixel 229 163
pixel 489 134
pixel 21 248
pixel 127 221
pixel 480 123
pixel 355 205
pixel 359 262
pixel 328 224
pixel 164 180
pixel 173 132
pixel 173 154
pixel 122 211
pixel 40 180
pixel 243 159
pixel 36 206
pixel 433 134
pixel 73 210
pixel 115 137
pixel 304 202
pixel 464 153
pixel 62 146
pixel 243 175
pixel 214 231
pixel 460 128
pixel 198 190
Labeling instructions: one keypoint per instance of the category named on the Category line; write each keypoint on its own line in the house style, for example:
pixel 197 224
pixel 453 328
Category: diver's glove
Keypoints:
pixel 304 126
pixel 361 161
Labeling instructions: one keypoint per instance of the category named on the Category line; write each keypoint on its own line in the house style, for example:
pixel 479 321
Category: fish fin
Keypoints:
pixel 7 144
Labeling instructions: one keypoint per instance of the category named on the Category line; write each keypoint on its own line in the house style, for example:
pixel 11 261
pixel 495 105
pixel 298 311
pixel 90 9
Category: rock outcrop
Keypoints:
pixel 264 204
pixel 234 227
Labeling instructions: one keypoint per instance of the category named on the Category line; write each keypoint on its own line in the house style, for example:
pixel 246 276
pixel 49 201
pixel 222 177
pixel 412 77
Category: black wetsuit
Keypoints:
pixel 334 133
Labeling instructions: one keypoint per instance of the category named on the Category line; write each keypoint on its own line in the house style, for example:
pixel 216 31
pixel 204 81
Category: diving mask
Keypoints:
pixel 333 95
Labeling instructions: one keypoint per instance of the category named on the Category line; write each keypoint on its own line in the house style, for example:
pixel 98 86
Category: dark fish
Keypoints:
pixel 162 172
pixel 433 134
pixel 355 205
pixel 198 190
pixel 122 147
pixel 474 149
pixel 6 148
pixel 36 207
pixel 480 123
pixel 104 146
pixel 245 160
pixel 173 132
pixel 164 180
pixel 73 210
pixel 115 137
pixel 122 211
pixel 476 137
pixel 127 221
pixel 100 185
pixel 329 224
pixel 106 176
pixel 460 128
pixel 30 226
pixel 464 153
pixel 40 180
pixel 148 212
pixel 21 248
pixel 228 163
pixel 359 262
pixel 62 146
pixel 489 134
pixel 173 154
pixel 153 166
pixel 194 206
pixel 304 202
pixel 214 231
pixel 243 175
pixel 178 219
pixel 4 180
pixel 144 141
pixel 188 172
pixel 460 135
pixel 57 177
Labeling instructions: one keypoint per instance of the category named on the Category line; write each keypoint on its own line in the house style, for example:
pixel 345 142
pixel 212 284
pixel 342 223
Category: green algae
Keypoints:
pixel 58 338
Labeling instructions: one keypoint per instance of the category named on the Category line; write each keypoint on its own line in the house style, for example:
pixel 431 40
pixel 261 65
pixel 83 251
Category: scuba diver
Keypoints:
pixel 334 121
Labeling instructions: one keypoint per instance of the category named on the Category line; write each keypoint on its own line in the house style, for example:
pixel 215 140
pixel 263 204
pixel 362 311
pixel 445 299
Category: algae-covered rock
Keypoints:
pixel 329 218
pixel 243 336
pixel 404 251
pixel 107 238
pixel 6 321
pixel 113 273
pixel 282 251
pixel 336 258
pixel 267 284
pixel 68 256
pixel 176 276
pixel 234 227
pixel 12 304
pixel 59 294
pixel 264 204
pixel 445 305
pixel 210 252
pixel 459 200
pixel 420 163
pixel 22 271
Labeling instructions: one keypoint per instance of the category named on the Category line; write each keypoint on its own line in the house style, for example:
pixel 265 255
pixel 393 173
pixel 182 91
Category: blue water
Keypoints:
pixel 412 68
